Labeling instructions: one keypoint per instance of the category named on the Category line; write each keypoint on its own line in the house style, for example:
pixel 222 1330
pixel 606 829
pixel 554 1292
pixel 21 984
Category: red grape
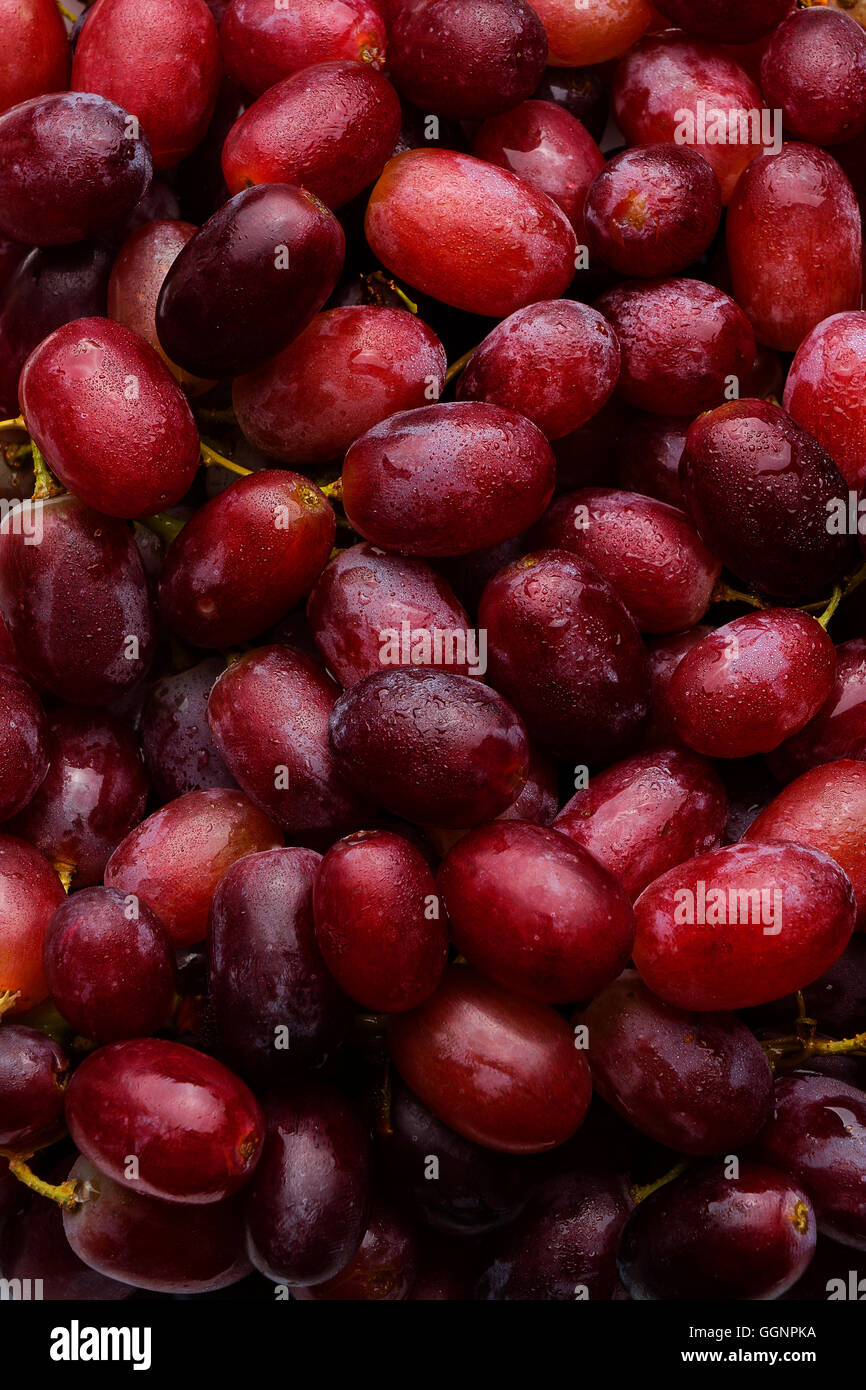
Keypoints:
pixel 94 794
pixel 193 1128
pixel 76 605
pixel 674 87
pixel 174 860
pixel 379 923
pixel 361 603
pixel 277 1010
pixel 501 1070
pixel 430 746
pixel 742 925
pixel 684 344
pixel 37 1249
pixel 700 1083
pixel 748 686
pixel 110 419
pixel 473 236
pixel 653 210
pixel 794 241
pixel 818 1134
pixel 263 43
pixel 65 199
pixel 159 59
pixel 565 651
pixel 176 739
pixel 37 50
pixel 838 730
pixel 826 390
pixel 23 743
pixel 548 148
pixel 536 912
pixel 644 816
pixel 726 21
pixel 279 751
pixel 34 1071
pixel 814 69
pixel 111 974
pixel 332 128
pixel 447 479
pixel 648 552
pixel 557 363
pixel 348 371
pixel 467 59
pixel 264 264
pixel 581 34
pixel 710 1236
pixel 825 808
pixel 163 1246
pixel 29 892
pixel 308 1204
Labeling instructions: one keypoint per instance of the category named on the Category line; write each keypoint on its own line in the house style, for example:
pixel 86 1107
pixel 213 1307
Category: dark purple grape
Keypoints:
pixel 178 745
pixel 23 743
pixel 383 1270
pixel 34 1071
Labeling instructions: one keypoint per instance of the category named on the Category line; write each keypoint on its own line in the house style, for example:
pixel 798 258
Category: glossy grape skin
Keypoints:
pixel 564 650
pixel 447 479
pixel 826 388
pixel 649 457
pixel 23 743
pixel 563 1242
pixel 348 371
pixel 379 924
pixel 278 253
pixel 262 44
pixel 124 452
pixel 52 286
pixel 838 730
pixel 681 342
pixel 818 1134
pixel 581 91
pixel 556 362
pixel 35 1247
pixel 748 686
pixel 806 904
pixel 538 798
pixel 72 603
pixel 760 490
pixel 194 1127
pixel 152 1244
pixel 266 971
pixel 653 210
pixel 699 1083
pixel 111 975
pixel 382 1270
pixel 548 148
pixel 794 243
pixel 174 860
pixel 29 892
pixel 94 794
pixel 176 740
pixel 726 21
pixel 500 1070
pixel 331 128
pixel 160 60
pixel 35 33
pixel 475 1191
pixel 467 59
pixel 137 275
pixel 648 552
pixel 364 592
pixel 34 1071
pixel 287 701
pixel 643 816
pixel 708 1236
pixel 12 253
pixel 306 1210
pixel 664 76
pixel 246 558
pixel 535 912
pixel 814 70
pixel 579 35
pixel 469 234
pixel 64 198
pixel 430 746
pixel 825 808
